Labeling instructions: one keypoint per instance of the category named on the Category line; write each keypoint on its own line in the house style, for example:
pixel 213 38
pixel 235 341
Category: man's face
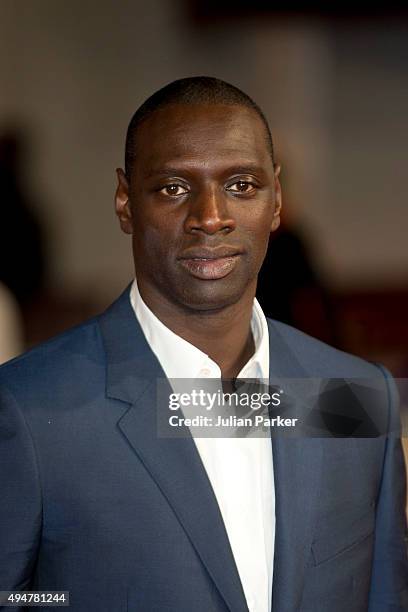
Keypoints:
pixel 202 200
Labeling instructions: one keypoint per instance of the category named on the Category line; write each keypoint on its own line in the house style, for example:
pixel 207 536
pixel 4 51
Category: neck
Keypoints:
pixel 224 335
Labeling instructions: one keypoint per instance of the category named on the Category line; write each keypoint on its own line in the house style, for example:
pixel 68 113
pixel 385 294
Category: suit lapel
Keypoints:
pixel 297 465
pixel 174 464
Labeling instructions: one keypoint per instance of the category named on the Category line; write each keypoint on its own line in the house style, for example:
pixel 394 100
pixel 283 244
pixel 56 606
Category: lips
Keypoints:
pixel 210 264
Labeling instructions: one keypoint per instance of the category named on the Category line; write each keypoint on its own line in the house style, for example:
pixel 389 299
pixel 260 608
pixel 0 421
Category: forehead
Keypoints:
pixel 203 133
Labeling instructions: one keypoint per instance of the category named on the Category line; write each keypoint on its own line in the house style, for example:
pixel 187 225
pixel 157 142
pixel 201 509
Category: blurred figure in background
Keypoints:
pixel 11 334
pixel 292 292
pixel 22 261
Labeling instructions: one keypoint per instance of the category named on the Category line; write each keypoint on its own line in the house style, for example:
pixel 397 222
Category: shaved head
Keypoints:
pixel 189 91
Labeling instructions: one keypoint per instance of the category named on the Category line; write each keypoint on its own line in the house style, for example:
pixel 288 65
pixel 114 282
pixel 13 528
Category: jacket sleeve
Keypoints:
pixel 389 578
pixel 20 498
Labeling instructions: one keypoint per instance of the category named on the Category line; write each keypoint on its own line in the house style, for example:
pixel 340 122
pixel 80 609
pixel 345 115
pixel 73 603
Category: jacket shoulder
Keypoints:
pixel 62 357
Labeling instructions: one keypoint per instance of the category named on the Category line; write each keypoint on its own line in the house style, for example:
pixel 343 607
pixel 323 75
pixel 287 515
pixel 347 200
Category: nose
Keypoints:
pixel 208 213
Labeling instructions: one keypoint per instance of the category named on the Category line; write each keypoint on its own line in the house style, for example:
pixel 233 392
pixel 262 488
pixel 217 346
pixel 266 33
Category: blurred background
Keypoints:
pixel 334 86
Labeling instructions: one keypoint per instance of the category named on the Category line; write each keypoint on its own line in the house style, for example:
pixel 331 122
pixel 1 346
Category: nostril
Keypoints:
pixel 209 224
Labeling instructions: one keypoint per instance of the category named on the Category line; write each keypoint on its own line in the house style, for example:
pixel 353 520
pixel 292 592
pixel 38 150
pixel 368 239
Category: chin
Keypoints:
pixel 211 297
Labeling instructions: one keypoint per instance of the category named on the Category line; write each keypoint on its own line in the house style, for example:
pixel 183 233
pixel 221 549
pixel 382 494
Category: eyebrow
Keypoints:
pixel 170 170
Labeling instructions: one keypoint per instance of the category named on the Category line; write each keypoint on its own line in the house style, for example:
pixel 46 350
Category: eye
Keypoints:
pixel 242 187
pixel 173 189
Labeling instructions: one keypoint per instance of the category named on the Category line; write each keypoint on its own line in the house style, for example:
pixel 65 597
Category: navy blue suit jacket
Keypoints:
pixel 93 502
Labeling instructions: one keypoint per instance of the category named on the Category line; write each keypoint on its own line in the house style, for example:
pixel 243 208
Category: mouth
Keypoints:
pixel 210 269
pixel 210 264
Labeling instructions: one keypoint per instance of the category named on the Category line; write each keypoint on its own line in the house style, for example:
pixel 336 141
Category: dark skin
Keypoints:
pixel 201 201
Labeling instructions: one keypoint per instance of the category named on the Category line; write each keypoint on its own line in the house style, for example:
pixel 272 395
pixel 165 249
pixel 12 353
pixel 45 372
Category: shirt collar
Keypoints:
pixel 180 359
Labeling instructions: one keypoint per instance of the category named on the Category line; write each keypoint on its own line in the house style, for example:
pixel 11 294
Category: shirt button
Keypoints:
pixel 205 372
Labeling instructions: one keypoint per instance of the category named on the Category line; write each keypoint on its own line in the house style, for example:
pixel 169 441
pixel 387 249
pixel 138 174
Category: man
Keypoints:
pixel 94 502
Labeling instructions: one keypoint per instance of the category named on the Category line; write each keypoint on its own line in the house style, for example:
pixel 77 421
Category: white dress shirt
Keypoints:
pixel 240 469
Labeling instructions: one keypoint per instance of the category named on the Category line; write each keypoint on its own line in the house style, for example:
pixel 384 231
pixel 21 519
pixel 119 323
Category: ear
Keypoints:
pixel 278 199
pixel 122 203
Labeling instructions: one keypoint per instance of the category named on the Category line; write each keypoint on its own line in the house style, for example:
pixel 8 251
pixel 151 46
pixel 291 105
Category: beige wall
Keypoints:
pixel 73 72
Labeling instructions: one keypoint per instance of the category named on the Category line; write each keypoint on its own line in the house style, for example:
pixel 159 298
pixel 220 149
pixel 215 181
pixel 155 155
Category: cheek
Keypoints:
pixel 258 229
pixel 150 230
pixel 154 242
